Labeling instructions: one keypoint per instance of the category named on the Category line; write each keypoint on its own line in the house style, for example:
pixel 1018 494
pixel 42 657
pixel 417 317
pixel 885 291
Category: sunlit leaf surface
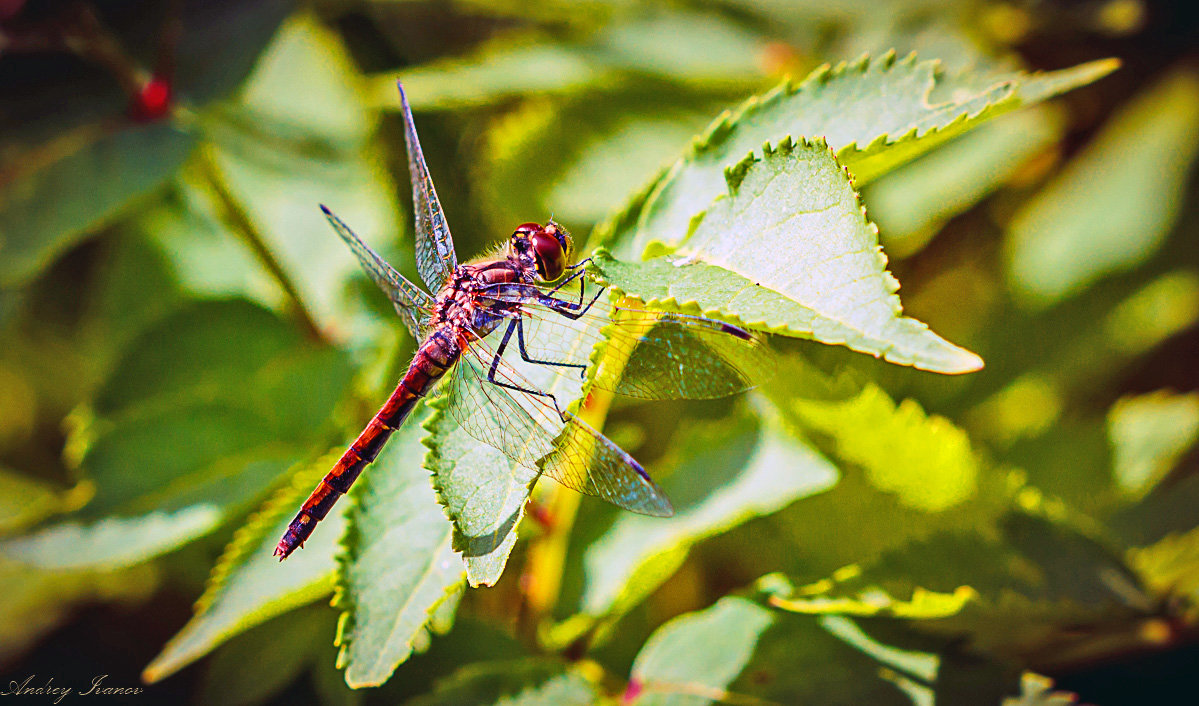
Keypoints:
pixel 831 285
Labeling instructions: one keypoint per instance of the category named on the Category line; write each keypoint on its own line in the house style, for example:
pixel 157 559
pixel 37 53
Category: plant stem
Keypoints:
pixel 236 216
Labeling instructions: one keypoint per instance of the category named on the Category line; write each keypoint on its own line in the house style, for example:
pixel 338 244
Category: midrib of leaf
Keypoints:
pixel 876 114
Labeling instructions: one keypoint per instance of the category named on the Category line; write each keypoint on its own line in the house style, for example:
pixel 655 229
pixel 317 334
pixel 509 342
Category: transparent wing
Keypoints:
pixel 647 354
pixel 412 303
pixel 528 430
pixel 435 259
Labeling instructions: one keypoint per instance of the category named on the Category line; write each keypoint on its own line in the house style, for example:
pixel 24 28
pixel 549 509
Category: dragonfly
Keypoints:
pixel 527 299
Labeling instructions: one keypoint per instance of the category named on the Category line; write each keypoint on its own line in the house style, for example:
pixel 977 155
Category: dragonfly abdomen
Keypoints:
pixel 432 359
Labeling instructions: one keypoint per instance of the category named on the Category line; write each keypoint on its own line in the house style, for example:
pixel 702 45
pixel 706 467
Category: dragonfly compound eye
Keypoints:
pixel 549 254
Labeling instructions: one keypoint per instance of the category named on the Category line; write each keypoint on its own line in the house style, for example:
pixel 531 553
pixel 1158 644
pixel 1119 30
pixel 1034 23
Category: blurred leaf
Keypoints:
pixel 600 145
pixel 826 661
pixel 1112 206
pixel 875 603
pixel 725 474
pixel 205 256
pixel 529 682
pixel 1021 597
pixel 1170 567
pixel 397 565
pixel 499 69
pixel 197 466
pixel 483 492
pixel 207 350
pixel 1148 434
pixel 1036 690
pixel 302 133
pixel 685 46
pixel 1160 309
pixel 48 207
pixel 248 586
pixel 220 43
pixel 920 665
pixel 113 542
pixel 832 287
pixel 676 665
pixel 36 601
pixel 876 115
pixel 25 501
pixel 912 203
pixel 925 460
pixel 279 651
pixel 173 451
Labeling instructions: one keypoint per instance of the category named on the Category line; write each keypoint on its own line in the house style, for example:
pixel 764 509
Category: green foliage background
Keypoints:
pixel 185 347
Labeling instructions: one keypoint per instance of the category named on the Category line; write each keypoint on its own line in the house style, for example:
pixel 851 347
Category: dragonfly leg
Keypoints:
pixel 495 364
pixel 571 310
pixel 578 272
pixel 524 354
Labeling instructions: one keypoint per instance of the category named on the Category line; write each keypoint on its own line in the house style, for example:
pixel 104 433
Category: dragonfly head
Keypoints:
pixel 549 246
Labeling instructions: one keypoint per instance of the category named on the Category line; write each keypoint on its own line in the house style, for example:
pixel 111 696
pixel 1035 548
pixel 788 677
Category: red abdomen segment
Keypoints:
pixel 432 359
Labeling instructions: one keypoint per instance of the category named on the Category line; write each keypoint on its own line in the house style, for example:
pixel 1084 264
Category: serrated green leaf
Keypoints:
pixel 248 586
pixel 1148 434
pixel 483 492
pixel 1112 206
pixel 675 665
pixel 727 473
pixel 876 115
pixel 35 232
pixel 831 286
pixel 397 563
pixel 912 203
pixel 528 682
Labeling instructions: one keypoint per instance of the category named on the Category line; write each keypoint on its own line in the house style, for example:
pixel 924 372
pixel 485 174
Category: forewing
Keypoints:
pixel 528 429
pixel 435 259
pixel 411 302
pixel 647 354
